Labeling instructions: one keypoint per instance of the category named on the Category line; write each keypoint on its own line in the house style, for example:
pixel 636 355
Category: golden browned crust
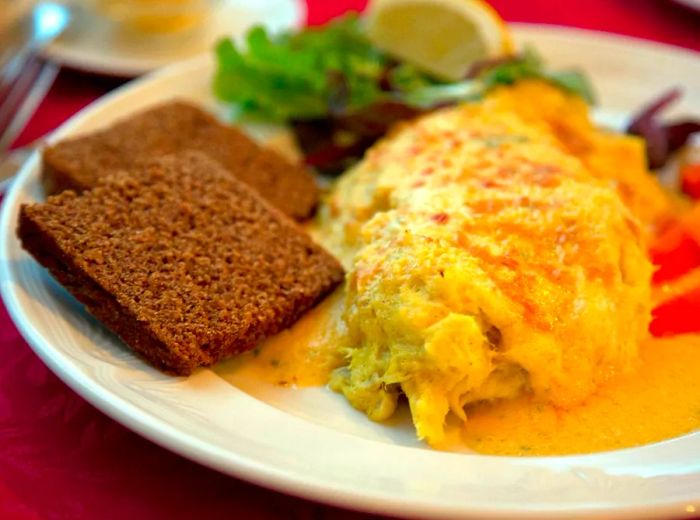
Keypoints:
pixel 180 259
pixel 79 163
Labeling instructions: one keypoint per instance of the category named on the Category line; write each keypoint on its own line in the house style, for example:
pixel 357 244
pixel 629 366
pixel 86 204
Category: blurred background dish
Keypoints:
pixel 131 37
pixel 150 17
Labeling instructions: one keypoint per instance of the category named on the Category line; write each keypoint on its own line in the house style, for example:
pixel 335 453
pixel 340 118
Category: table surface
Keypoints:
pixel 62 458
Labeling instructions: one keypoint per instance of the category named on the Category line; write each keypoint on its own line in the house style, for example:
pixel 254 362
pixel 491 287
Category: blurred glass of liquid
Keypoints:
pixel 151 17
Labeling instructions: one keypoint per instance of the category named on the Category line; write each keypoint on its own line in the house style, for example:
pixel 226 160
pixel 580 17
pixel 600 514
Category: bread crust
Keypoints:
pixel 81 162
pixel 185 263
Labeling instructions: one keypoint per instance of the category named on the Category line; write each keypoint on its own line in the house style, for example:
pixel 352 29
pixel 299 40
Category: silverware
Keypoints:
pixel 16 110
pixel 25 77
pixel 26 27
pixel 12 162
pixel 24 97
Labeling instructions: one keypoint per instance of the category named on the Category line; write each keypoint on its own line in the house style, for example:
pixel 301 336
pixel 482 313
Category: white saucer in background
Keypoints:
pixel 96 44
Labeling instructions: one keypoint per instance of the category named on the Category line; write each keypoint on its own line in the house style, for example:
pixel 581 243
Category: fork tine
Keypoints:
pixel 24 97
pixel 17 88
pixel 12 70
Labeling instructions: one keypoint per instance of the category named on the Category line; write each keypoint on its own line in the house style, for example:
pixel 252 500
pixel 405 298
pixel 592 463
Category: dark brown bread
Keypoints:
pixel 187 271
pixel 79 163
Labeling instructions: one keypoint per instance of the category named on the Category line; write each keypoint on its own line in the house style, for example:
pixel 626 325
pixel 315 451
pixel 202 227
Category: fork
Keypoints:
pixel 18 101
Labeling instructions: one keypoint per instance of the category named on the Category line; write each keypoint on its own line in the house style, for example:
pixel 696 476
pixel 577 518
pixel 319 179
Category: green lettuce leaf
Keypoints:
pixel 334 70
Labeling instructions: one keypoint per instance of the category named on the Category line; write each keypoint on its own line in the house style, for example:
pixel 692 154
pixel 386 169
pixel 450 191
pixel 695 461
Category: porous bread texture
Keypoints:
pixel 81 162
pixel 179 258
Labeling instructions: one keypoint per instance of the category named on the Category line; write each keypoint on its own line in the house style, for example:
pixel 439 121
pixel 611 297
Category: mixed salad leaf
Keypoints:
pixel 340 93
pixel 299 75
pixel 662 138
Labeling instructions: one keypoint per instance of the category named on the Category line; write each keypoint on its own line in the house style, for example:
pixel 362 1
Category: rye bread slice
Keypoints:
pixel 80 163
pixel 184 262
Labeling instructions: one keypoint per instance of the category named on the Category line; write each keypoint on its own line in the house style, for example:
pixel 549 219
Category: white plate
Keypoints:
pixel 311 442
pixel 95 44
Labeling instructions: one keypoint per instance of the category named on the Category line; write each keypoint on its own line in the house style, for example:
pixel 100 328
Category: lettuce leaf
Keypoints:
pixel 340 93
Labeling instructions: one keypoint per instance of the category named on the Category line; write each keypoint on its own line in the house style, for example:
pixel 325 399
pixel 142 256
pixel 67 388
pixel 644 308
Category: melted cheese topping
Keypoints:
pixel 488 255
pixel 497 277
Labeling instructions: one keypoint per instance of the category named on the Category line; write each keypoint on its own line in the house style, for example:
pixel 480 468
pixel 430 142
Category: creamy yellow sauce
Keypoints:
pixel 303 355
pixel 659 401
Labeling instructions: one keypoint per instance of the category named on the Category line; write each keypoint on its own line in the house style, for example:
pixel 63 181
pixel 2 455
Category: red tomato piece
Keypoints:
pixel 675 251
pixel 680 315
pixel 690 180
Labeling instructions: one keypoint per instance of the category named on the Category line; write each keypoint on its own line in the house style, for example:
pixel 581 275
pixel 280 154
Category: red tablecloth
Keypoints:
pixel 61 458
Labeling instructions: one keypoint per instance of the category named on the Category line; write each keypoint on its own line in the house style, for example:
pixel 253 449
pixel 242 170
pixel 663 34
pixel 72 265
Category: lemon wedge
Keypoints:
pixel 442 37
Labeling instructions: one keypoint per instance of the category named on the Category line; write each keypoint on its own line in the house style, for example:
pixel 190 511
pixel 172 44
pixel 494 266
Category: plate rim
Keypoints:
pixel 693 5
pixel 161 433
pixel 613 37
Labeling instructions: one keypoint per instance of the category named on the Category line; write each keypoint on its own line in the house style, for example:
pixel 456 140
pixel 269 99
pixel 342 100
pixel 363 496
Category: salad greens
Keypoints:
pixel 299 75
pixel 304 75
pixel 331 80
pixel 501 71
